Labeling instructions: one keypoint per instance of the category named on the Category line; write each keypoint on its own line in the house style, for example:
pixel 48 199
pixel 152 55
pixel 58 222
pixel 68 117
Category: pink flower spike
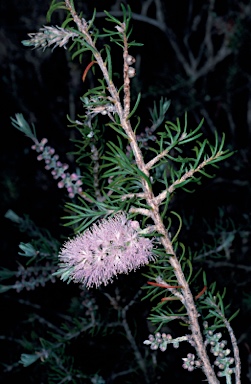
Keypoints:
pixel 110 247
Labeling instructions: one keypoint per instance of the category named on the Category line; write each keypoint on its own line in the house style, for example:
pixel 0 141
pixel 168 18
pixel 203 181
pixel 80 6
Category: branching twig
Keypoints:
pixel 191 67
pixel 233 341
pixel 129 335
pixel 186 176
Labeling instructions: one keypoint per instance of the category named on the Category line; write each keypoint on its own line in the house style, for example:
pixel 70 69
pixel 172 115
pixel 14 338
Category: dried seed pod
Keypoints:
pixel 131 72
pixel 130 60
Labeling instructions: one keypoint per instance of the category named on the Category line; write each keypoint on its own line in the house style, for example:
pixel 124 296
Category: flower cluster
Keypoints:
pixel 190 363
pixel 111 247
pixel 146 136
pixel 223 361
pixel 69 181
pixel 98 104
pixel 48 36
pixel 162 340
pixel 32 277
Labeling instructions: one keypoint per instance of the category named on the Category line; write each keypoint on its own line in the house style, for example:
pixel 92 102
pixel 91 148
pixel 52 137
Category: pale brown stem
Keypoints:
pixel 162 196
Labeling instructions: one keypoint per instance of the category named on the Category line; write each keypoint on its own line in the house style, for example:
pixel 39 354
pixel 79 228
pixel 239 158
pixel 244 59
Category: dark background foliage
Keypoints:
pixel 46 86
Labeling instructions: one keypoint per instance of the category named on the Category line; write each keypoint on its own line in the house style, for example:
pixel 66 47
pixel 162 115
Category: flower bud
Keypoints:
pixel 130 60
pixel 131 72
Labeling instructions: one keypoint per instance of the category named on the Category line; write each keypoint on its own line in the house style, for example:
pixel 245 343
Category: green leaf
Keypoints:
pixel 5 288
pixel 199 153
pixel 109 60
pixel 188 262
pixel 21 124
pixel 179 228
pixel 135 106
pixel 108 33
pixel 28 359
pixel 144 176
pixel 90 22
pixel 204 279
pixel 214 314
pixel 221 304
pixel 127 15
pixel 67 21
pixel 111 18
pixel 134 44
pixel 117 42
pixel 118 129
pixel 206 174
pixel 234 315
pixel 28 250
pixel 225 155
pixel 158 116
pixel 55 5
pixel 86 47
pixel 6 273
pixel 193 135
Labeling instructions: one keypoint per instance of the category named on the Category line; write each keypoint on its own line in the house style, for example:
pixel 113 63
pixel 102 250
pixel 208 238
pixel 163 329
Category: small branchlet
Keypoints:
pixel 161 340
pixel 218 348
pixel 72 182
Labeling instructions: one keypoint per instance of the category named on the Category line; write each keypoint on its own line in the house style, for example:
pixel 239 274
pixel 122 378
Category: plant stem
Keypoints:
pixel 187 297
